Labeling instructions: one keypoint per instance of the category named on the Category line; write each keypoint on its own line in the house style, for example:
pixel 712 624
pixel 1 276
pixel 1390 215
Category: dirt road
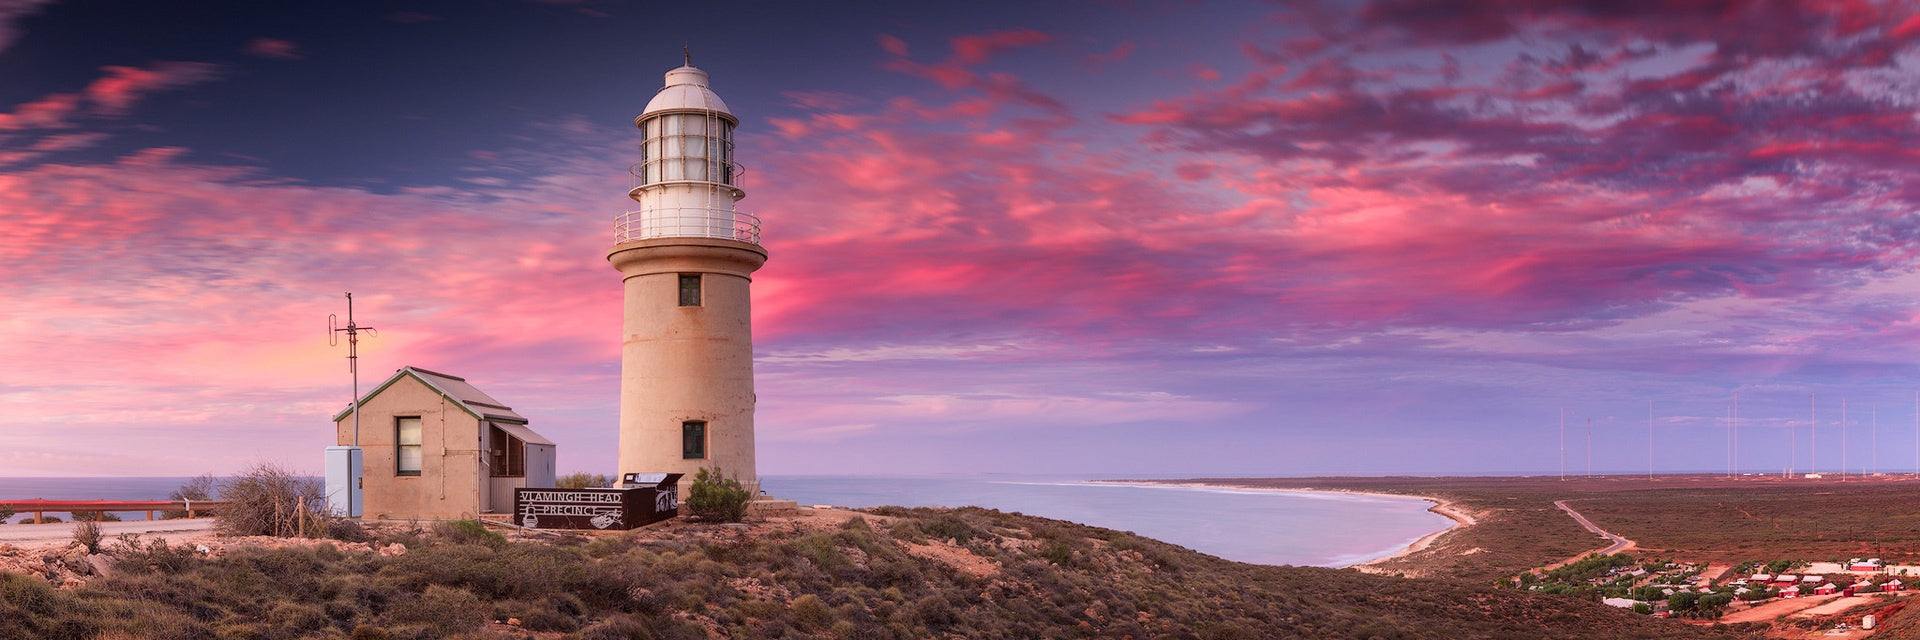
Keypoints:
pixel 38 534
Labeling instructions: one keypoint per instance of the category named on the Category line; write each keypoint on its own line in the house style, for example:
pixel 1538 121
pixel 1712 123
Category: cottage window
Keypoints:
pixel 693 440
pixel 689 289
pixel 406 446
pixel 507 454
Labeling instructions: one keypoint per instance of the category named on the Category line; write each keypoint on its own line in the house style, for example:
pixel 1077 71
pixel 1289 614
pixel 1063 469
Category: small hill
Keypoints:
pixel 885 573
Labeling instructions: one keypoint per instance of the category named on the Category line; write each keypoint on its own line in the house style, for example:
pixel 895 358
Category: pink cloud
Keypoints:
pixel 115 93
pixel 1119 52
pixel 213 272
pixel 46 113
pixel 273 48
pixel 969 50
pixel 69 141
pixel 13 10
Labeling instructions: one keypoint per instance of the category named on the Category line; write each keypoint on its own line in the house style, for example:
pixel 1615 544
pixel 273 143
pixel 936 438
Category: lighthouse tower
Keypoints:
pixel 686 257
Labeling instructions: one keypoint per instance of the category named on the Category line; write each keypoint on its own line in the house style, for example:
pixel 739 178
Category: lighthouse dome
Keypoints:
pixel 686 90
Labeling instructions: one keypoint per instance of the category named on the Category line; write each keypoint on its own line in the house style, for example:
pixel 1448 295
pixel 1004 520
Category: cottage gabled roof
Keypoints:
pixel 455 389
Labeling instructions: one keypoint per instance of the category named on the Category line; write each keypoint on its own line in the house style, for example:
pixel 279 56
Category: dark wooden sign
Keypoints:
pixel 623 508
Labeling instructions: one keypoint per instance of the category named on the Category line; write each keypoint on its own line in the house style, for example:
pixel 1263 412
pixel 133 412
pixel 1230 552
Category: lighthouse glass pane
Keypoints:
pixel 693 440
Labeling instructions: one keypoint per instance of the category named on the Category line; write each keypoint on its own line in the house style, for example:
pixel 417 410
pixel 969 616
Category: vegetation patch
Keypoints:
pixel 805 577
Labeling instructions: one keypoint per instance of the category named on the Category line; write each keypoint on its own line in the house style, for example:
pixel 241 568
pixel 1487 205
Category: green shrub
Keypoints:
pixel 155 556
pixel 468 532
pixel 717 497
pixel 95 516
pixel 583 481
pixel 5 512
pixel 1057 552
pixel 811 612
pixel 88 535
pixel 445 610
pixel 949 526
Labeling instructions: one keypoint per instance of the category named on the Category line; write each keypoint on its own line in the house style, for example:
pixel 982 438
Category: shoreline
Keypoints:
pixel 1460 517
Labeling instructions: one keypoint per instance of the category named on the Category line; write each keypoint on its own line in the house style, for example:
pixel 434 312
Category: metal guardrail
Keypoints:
pixel 39 508
pixel 686 222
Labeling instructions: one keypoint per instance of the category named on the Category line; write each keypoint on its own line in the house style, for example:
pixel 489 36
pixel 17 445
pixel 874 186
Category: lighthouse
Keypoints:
pixel 686 257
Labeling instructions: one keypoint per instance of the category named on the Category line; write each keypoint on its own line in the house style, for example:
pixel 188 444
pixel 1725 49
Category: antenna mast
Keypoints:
pixel 353 355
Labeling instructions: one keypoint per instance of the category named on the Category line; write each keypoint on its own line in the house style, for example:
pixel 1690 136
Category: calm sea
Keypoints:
pixel 1265 527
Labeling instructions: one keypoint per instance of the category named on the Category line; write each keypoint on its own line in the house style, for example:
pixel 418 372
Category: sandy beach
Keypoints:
pixel 1461 517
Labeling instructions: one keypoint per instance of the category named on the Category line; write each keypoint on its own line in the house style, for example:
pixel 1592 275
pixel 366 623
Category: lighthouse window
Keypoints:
pixel 687 146
pixel 406 446
pixel 690 290
pixel 693 440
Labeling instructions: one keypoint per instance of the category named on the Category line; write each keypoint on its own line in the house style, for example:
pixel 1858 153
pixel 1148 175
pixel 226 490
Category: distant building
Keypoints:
pixel 1870 564
pixel 436 447
pixel 1790 592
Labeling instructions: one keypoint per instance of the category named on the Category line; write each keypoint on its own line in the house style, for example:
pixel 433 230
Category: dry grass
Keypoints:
pixel 817 579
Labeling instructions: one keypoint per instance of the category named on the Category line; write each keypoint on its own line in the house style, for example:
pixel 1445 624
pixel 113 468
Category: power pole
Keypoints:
pixel 343 463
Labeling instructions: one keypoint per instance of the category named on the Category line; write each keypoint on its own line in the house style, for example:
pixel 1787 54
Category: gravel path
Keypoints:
pixel 38 534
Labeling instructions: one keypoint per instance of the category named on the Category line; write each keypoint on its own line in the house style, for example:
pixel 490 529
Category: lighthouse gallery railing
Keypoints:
pixel 686 222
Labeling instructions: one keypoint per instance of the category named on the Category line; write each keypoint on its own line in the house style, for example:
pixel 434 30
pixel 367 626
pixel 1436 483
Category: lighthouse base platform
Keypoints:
pixel 765 507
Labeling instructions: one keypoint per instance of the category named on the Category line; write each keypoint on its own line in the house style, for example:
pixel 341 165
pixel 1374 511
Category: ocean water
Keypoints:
pixel 89 489
pixel 1263 527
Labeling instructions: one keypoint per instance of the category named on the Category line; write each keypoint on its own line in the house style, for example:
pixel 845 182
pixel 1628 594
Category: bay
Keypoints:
pixel 1245 525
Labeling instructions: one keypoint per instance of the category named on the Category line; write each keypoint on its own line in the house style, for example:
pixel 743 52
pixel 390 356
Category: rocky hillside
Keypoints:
pixel 888 573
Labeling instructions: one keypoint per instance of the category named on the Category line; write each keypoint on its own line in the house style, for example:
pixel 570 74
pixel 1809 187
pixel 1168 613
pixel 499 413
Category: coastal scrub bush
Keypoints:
pixel 268 500
pixel 32 609
pixel 445 610
pixel 95 516
pixel 468 532
pixel 202 487
pixel 347 530
pixel 154 556
pixel 812 612
pixel 583 481
pixel 5 512
pixel 717 497
pixel 88 535
pixel 949 526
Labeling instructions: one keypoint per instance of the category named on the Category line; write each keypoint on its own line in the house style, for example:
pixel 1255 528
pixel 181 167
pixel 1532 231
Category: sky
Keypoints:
pixel 1080 237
